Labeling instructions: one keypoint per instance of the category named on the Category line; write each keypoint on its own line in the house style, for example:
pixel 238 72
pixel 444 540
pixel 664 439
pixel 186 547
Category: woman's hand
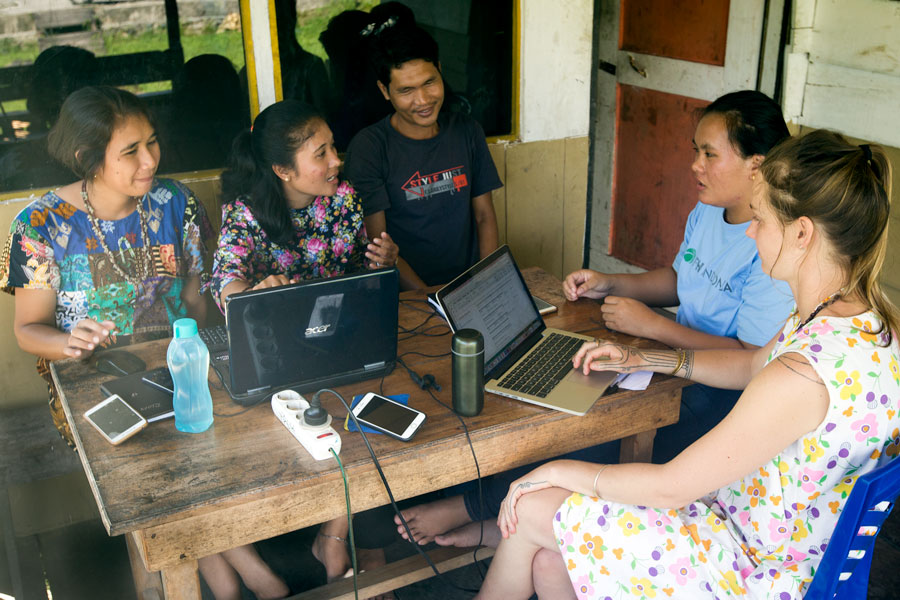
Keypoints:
pixel 586 283
pixel 382 251
pixel 630 316
pixel 87 335
pixel 603 356
pixel 532 482
pixel 271 281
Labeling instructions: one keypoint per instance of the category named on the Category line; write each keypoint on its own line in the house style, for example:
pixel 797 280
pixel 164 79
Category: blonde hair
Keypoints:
pixel 845 189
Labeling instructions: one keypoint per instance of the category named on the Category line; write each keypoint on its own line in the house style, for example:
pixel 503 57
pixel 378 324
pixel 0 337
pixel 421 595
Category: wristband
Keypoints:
pixel 681 357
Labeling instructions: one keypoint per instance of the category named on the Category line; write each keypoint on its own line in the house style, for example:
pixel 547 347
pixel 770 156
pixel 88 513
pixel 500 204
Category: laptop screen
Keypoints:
pixel 306 332
pixel 492 298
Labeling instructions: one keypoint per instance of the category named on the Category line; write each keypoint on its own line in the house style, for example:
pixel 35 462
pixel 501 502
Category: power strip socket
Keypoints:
pixel 289 407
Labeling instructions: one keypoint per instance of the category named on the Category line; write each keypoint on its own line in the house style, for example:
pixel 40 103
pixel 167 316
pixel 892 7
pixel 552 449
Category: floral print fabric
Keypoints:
pixel 764 535
pixel 53 247
pixel 330 239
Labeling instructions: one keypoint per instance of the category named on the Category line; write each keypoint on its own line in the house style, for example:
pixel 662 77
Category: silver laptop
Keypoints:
pixel 523 359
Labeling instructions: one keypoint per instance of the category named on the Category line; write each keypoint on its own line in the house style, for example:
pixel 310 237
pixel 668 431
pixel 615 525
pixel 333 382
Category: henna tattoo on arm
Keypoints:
pixel 665 360
pixel 784 360
pixel 529 484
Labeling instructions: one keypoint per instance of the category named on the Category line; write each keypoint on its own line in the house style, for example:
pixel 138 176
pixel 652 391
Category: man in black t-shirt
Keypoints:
pixel 424 177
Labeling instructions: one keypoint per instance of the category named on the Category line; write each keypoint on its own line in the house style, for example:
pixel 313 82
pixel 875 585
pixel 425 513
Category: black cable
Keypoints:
pixel 478 474
pixel 429 310
pixel 387 488
pixel 403 329
pixel 427 383
pixel 425 331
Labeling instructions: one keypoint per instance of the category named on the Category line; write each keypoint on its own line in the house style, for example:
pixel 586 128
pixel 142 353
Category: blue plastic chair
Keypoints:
pixel 844 570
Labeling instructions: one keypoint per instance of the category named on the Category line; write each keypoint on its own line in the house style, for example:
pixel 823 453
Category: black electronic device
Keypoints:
pixel 150 400
pixel 310 335
pixel 117 362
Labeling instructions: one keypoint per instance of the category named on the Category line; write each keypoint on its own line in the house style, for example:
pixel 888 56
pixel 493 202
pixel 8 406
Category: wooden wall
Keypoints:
pixel 540 210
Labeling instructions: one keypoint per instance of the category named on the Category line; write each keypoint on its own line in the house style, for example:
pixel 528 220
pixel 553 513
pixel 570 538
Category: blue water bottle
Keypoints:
pixel 188 360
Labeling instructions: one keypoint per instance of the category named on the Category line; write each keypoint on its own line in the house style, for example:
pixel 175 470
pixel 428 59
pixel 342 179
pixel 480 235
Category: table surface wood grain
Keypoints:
pixel 185 496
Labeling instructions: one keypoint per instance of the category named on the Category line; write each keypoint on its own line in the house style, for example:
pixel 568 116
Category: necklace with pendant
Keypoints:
pixel 827 301
pixel 144 264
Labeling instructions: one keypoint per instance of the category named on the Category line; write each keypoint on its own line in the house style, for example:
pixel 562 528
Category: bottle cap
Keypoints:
pixel 185 328
pixel 467 342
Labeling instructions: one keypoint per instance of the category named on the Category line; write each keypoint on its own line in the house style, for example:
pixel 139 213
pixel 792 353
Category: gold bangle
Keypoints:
pixel 596 477
pixel 681 356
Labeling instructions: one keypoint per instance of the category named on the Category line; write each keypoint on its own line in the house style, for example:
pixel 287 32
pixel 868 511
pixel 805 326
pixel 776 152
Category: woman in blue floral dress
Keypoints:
pixel 749 508
pixel 287 215
pixel 113 258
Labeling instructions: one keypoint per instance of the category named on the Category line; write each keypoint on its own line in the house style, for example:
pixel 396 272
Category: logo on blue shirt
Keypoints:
pixel 690 257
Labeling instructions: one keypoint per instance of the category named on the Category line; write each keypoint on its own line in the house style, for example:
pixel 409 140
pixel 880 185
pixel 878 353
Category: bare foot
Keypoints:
pixel 333 555
pixel 469 534
pixel 428 520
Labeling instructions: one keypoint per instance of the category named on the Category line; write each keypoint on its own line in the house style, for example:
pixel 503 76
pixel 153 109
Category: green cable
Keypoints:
pixel 349 525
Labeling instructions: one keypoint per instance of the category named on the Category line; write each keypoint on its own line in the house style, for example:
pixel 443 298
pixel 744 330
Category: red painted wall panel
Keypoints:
pixel 653 188
pixel 694 30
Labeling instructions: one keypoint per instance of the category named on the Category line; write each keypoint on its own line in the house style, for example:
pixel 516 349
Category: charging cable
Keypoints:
pixel 349 521
pixel 390 494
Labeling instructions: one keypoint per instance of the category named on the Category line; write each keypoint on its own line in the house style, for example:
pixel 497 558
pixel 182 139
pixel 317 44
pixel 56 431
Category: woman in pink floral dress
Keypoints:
pixel 749 508
pixel 287 215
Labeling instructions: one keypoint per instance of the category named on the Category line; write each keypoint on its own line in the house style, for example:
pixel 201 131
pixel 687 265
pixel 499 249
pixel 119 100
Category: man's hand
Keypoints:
pixel 271 281
pixel 382 251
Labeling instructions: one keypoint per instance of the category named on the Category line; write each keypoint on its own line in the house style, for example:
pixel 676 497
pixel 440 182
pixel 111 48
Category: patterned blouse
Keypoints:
pixel 330 240
pixel 764 535
pixel 52 246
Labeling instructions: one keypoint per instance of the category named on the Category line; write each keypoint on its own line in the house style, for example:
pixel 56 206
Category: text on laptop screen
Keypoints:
pixel 496 303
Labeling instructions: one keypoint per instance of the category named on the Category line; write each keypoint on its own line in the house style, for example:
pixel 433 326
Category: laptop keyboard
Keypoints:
pixel 215 338
pixel 541 370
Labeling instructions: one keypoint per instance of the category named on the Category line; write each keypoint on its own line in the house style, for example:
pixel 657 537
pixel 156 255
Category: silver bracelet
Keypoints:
pixel 596 477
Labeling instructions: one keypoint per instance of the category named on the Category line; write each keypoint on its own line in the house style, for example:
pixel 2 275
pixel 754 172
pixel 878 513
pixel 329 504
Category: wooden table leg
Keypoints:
pixel 637 447
pixel 148 585
pixel 182 582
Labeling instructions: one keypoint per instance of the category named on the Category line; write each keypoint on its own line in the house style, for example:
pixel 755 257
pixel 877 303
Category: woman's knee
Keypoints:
pixel 537 509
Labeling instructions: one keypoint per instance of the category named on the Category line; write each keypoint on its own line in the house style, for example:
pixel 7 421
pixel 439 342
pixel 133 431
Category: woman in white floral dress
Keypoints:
pixel 820 408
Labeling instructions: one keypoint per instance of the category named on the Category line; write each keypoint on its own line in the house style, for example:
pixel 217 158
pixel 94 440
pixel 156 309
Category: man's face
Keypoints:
pixel 416 93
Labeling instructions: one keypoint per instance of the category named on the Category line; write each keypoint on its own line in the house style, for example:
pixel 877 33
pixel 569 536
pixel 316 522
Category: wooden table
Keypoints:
pixel 181 497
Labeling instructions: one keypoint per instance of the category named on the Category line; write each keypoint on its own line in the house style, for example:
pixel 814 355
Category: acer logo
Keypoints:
pixel 319 329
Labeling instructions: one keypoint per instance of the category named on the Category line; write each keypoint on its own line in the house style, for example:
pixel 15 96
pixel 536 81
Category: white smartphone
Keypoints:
pixel 393 418
pixel 115 419
pixel 543 306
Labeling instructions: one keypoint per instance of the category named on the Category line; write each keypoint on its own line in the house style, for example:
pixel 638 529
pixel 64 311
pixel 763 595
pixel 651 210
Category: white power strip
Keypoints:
pixel 289 407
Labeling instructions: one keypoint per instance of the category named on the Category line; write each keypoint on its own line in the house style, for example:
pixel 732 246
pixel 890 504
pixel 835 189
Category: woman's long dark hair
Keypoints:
pixel 277 133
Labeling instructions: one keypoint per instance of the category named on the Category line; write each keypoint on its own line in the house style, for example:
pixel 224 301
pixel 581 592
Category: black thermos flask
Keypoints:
pixel 468 372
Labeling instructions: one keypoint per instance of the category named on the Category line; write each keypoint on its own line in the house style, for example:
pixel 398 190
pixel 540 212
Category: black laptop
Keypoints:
pixel 308 335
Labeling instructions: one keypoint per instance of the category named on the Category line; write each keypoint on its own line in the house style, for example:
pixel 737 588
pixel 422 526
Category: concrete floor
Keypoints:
pixel 56 547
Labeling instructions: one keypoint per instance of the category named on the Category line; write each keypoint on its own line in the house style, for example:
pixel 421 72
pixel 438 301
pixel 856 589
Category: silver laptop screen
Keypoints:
pixel 495 301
